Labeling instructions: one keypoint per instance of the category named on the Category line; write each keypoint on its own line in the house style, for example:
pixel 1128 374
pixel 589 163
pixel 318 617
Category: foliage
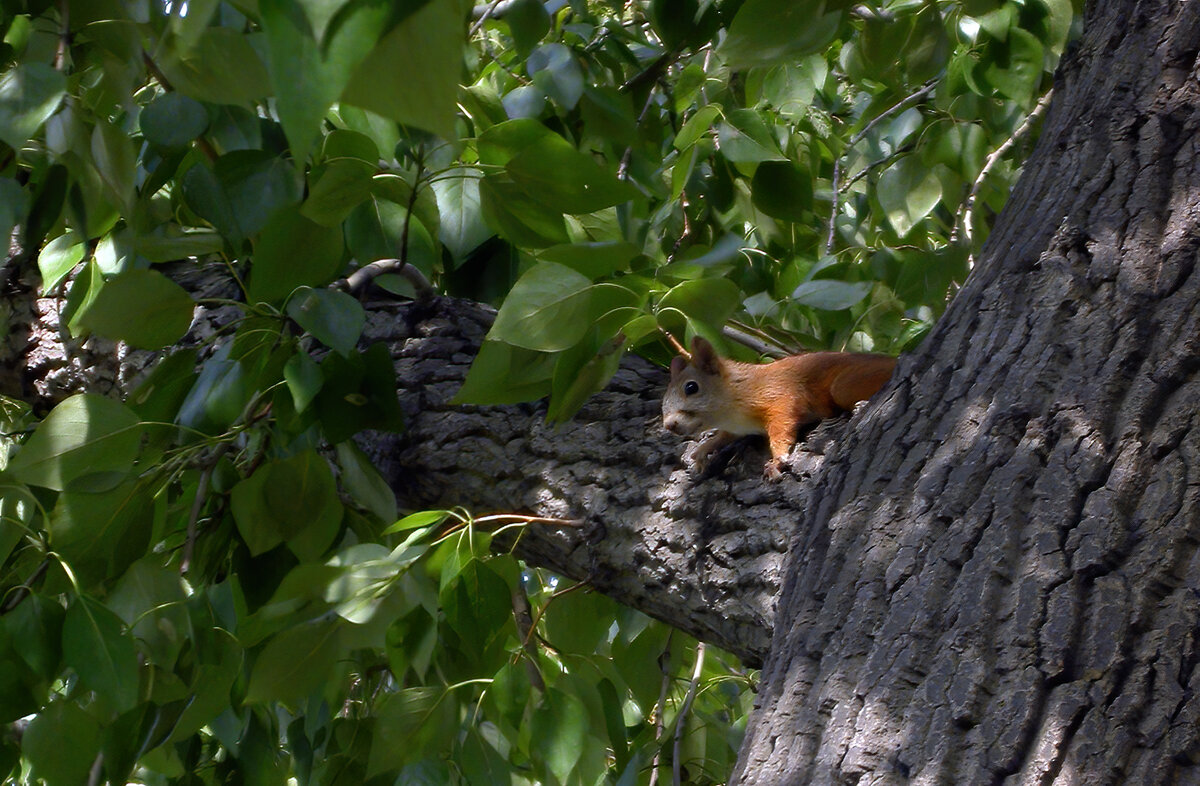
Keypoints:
pixel 207 581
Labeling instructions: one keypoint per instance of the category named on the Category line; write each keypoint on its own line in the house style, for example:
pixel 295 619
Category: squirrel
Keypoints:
pixel 772 399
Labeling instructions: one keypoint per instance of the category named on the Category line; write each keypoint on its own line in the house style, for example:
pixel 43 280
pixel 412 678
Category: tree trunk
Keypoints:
pixel 996 577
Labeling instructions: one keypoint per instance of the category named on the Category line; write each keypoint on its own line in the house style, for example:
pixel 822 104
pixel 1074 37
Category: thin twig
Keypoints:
pixel 23 591
pixel 524 620
pixel 64 37
pixel 854 140
pixel 681 716
pixel 482 14
pixel 660 709
pixel 992 160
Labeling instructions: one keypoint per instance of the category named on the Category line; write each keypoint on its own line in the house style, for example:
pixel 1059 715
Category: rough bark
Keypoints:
pixel 997 576
pixel 702 556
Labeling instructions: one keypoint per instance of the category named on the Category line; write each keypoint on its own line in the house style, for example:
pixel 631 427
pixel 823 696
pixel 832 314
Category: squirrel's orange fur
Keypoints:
pixel 773 399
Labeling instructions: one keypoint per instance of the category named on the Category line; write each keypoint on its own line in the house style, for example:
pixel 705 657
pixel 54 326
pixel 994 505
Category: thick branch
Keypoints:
pixel 704 557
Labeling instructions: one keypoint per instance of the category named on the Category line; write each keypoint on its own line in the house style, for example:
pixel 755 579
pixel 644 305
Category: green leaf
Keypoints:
pixel 529 22
pixel 143 308
pixel 424 717
pixel 594 260
pixel 58 258
pixel 708 300
pixel 556 73
pixel 241 192
pixel 223 67
pixel 14 203
pixel 102 533
pixel 555 174
pixel 765 32
pixel 84 435
pixel 578 374
pixel 560 726
pixel 307 75
pixel 1014 68
pixel 745 137
pixel 423 518
pixel 342 180
pixel 163 248
pixel 293 252
pixel 462 227
pixel 29 94
pixel 546 310
pixel 428 43
pixel 173 120
pixel 116 160
pixel 333 318
pixel 304 379
pixel 908 191
pixel 782 190
pixel 831 295
pixel 504 374
pixel 295 663
pixel 100 650
pixel 45 744
pixel 364 484
pixel 509 210
pixel 293 500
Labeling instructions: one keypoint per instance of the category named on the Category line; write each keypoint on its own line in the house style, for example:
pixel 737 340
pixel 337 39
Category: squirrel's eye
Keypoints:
pixel 691 388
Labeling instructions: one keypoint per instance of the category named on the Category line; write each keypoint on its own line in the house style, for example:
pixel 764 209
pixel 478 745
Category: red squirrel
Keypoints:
pixel 773 399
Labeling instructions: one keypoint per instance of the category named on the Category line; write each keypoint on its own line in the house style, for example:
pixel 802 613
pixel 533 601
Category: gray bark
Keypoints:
pixel 997 578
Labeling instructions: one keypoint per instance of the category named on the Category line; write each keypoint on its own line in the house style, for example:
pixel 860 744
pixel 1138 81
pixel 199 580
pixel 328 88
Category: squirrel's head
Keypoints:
pixel 696 392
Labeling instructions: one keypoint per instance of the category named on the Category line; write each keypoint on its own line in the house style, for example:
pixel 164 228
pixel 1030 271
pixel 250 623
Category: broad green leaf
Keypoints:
pixel 513 214
pixel 462 227
pixel 224 67
pixel 62 742
pixel 308 75
pixel 364 484
pixel 143 308
pixel 765 32
pixel 424 717
pixel 304 379
pixel 295 663
pixel 29 94
pixel 424 518
pixel 831 295
pixel 782 190
pixel 173 120
pixel 333 318
pixel 554 173
pixel 293 252
pixel 1014 68
pixel 241 192
pixel 556 73
pixel 546 310
pixel 58 258
pixel 529 22
pixel 428 43
pixel 36 624
pixel 908 191
pixel 84 435
pixel 101 651
pixel 293 500
pixel 102 533
pixel 594 260
pixel 116 160
pixel 17 697
pixel 707 300
pixel 219 666
pixel 696 126
pixel 335 188
pixel 149 598
pixel 744 137
pixel 504 374
pixel 168 248
pixel 560 725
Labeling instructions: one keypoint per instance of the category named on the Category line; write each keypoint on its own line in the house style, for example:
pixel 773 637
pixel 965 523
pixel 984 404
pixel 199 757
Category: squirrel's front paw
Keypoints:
pixel 773 470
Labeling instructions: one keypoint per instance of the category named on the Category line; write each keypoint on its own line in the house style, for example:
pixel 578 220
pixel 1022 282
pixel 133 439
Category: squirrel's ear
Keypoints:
pixel 704 357
pixel 678 364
